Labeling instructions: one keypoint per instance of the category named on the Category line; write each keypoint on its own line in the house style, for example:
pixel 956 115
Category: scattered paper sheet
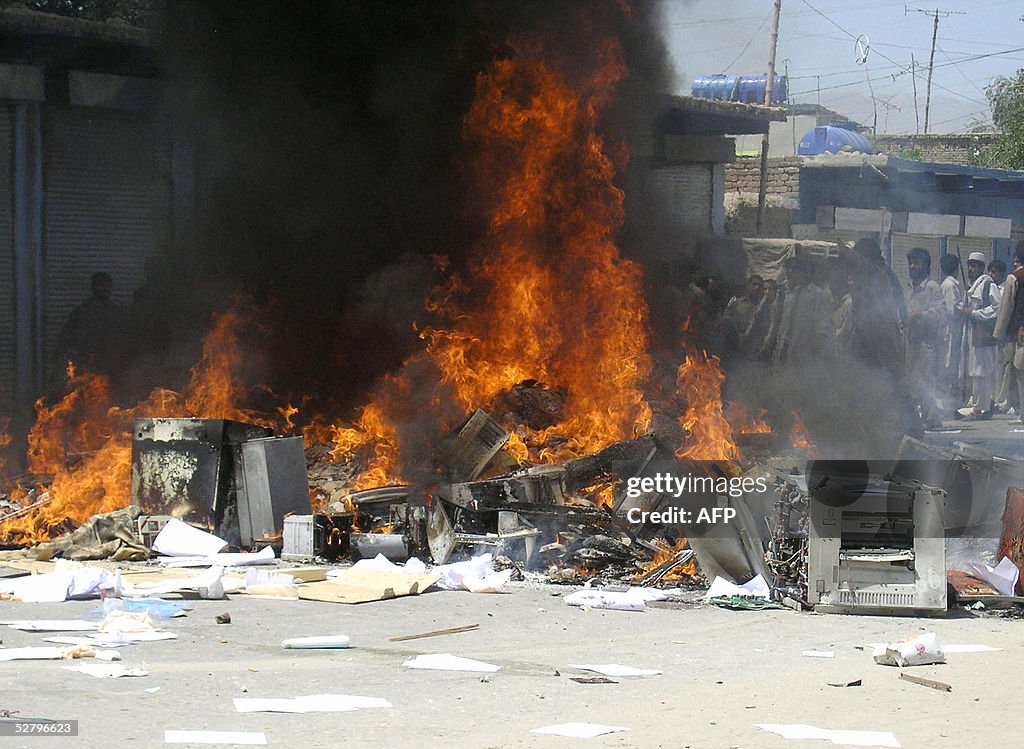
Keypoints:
pixel 113 640
pixel 53 625
pixel 266 584
pixel 42 653
pixel 107 670
pixel 156 608
pixel 756 587
pixel 87 641
pixel 847 738
pixel 579 730
pixel 314 703
pixel 614 669
pixel 819 653
pixel 232 559
pixel 1003 577
pixel 492 583
pixel 119 622
pixel 246 738
pixel 68 580
pixel 449 662
pixel 475 575
pixel 210 584
pixel 381 563
pixel 969 649
pixel 179 539
pixel 632 599
pixel 316 643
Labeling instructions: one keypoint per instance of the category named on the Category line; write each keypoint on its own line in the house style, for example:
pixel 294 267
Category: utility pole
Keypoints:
pixel 913 76
pixel 936 15
pixel 762 188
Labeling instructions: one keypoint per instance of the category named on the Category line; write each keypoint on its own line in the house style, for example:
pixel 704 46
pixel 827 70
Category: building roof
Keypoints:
pixel 909 166
pixel 30 22
pixel 690 115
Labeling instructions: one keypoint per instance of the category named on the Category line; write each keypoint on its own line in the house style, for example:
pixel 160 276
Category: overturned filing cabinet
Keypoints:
pixel 876 548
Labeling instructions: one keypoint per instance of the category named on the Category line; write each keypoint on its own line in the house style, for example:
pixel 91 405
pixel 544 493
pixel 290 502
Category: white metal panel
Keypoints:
pixel 107 206
pixel 904 243
pixel 859 219
pixel 984 226
pixel 7 384
pixel 967 245
pixel 941 224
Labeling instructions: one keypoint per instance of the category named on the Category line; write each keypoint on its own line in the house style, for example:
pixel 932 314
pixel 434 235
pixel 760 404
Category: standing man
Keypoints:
pixel 739 316
pixel 925 319
pixel 1003 394
pixel 805 322
pixel 952 298
pixel 1009 329
pixel 980 308
pixel 94 337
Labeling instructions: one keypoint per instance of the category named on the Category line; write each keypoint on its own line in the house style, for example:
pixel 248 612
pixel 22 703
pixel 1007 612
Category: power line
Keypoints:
pixel 852 36
pixel 747 45
pixel 962 73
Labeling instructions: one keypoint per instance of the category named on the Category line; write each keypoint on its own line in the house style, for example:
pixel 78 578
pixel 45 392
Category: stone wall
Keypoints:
pixel 743 175
pixel 964 149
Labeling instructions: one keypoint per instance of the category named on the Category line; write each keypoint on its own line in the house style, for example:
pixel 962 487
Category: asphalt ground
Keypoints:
pixel 724 672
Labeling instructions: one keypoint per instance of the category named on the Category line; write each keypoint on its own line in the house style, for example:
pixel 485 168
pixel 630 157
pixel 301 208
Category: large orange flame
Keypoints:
pixel 699 383
pixel 84 441
pixel 551 299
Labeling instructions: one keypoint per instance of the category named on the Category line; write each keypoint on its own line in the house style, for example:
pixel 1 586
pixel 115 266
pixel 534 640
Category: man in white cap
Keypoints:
pixel 980 308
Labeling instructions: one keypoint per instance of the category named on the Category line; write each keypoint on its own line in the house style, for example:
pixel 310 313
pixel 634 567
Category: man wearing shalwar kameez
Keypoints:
pixel 980 308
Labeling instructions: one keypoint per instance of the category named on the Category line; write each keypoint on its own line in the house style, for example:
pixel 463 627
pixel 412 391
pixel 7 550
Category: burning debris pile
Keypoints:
pixel 545 327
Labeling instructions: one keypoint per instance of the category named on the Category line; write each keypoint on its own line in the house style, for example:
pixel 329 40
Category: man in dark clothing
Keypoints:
pixel 93 338
pixel 739 316
pixel 879 318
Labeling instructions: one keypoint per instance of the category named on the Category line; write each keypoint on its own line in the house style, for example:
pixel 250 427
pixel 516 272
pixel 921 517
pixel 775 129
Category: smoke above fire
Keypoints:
pixel 332 159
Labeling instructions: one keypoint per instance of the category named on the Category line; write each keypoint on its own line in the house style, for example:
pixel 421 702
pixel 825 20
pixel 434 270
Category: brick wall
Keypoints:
pixel 964 149
pixel 783 175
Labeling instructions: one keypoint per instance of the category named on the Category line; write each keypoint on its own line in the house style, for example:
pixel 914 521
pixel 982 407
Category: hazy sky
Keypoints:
pixel 817 40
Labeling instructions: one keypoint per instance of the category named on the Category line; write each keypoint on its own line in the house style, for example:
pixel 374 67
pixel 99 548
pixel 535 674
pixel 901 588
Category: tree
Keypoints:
pixel 1006 97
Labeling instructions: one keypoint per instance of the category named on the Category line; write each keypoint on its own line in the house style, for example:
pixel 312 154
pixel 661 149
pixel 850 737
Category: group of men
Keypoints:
pixel 948 349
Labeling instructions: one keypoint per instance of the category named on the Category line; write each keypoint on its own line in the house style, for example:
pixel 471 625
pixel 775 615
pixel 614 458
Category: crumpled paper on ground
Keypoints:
pixel 475 575
pixel 632 599
pixel 1003 577
pixel 68 580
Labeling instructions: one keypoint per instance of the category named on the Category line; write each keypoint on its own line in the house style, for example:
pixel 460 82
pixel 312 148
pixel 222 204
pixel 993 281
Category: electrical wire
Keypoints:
pixel 746 46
